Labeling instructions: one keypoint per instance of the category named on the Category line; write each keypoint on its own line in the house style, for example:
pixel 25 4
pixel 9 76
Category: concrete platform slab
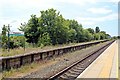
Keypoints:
pixel 105 66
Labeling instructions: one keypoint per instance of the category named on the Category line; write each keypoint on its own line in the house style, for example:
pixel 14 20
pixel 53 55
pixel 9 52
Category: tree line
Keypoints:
pixel 52 28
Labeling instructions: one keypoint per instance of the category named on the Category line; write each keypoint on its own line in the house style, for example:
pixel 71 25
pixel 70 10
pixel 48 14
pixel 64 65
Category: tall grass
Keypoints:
pixel 23 69
pixel 29 48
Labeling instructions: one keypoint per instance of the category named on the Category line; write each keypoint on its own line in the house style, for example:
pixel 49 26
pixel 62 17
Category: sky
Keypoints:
pixel 89 13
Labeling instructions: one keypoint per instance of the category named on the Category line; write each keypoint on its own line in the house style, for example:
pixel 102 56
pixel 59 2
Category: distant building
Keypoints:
pixel 16 34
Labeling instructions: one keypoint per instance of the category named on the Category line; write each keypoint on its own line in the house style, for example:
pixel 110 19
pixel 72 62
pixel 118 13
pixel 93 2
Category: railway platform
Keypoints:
pixel 105 66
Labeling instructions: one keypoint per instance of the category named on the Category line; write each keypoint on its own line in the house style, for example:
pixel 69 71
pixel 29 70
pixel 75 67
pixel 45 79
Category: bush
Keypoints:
pixel 17 41
pixel 44 40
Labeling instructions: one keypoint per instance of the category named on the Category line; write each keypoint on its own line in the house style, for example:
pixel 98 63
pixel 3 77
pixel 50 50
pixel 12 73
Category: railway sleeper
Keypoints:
pixel 79 65
pixel 71 76
pixel 73 72
pixel 76 70
pixel 79 68
pixel 62 78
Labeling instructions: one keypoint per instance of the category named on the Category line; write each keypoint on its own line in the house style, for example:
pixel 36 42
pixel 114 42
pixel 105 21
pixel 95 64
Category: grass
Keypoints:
pixel 0 50
pixel 18 51
pixel 23 69
pixel 30 49
pixel 26 69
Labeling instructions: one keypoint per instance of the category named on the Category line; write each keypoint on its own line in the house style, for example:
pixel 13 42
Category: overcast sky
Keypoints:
pixel 89 13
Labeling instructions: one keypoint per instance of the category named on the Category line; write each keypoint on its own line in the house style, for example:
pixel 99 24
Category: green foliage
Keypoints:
pixel 4 37
pixel 86 35
pixel 52 28
pixel 31 30
pixel 52 22
pixel 97 30
pixel 22 27
pixel 96 36
pixel 0 41
pixel 17 41
pixel 91 30
pixel 44 40
pixel 76 31
pixel 116 37
pixel 71 35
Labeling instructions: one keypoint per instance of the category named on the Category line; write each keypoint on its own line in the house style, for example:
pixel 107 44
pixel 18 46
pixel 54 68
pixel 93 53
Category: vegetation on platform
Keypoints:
pixel 26 69
pixel 29 48
pixel 18 51
pixel 23 69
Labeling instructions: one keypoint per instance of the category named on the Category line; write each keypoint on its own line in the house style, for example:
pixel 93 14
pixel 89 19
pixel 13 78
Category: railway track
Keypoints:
pixel 74 70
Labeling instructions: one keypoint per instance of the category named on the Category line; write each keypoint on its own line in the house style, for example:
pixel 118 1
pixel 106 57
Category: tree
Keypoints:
pixel 97 30
pixel 77 36
pixel 44 40
pixel 22 27
pixel 102 35
pixel 0 41
pixel 31 30
pixel 71 35
pixel 52 22
pixel 91 30
pixel 4 37
pixel 118 37
pixel 17 41
pixel 96 36
pixel 52 28
pixel 107 36
pixel 86 35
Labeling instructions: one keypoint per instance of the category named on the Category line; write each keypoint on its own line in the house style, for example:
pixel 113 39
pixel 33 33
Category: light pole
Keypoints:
pixel 8 37
pixel 24 41
pixel 24 24
pixel 0 42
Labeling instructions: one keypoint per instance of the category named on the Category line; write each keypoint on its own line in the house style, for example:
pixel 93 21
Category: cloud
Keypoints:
pixel 95 20
pixel 104 18
pixel 48 3
pixel 84 2
pixel 15 24
pixel 78 2
pixel 28 3
pixel 87 23
pixel 114 1
pixel 20 10
pixel 99 10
